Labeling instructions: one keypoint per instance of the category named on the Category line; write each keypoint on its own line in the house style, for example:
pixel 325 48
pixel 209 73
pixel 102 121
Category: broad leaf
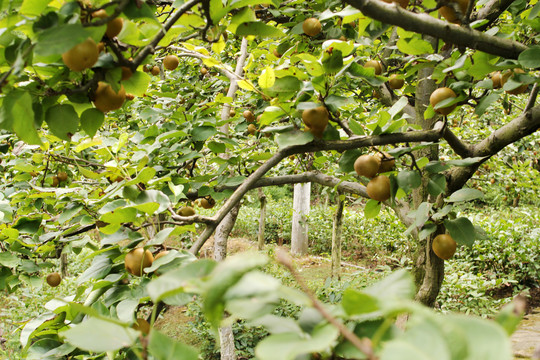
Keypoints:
pixel 62 120
pixel 292 138
pixel 99 335
pixel 465 195
pixel 287 346
pixel 162 347
pixel 461 230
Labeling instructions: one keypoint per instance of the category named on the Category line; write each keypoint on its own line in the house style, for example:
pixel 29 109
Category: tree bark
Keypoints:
pixel 226 337
pixel 336 237
pixel 429 268
pixel 262 220
pixel 64 264
pixel 299 234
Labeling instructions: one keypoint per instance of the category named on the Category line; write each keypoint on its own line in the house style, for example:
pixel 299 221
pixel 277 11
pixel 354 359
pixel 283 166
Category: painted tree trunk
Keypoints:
pixel 336 237
pixel 262 220
pixel 299 234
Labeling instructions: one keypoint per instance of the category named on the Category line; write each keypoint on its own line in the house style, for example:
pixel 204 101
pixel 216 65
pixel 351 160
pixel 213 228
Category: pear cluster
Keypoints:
pixel 370 166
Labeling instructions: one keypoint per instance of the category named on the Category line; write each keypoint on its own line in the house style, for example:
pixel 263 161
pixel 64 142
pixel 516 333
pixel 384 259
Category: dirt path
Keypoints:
pixel 526 339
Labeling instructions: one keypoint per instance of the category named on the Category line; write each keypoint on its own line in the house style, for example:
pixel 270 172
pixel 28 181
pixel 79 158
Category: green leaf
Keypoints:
pixel 63 121
pixel 332 61
pixel 120 215
pixel 372 209
pixel 336 101
pixel 312 65
pixel 287 84
pixel 162 347
pixel 295 137
pixel 529 58
pixel 126 309
pixel 28 225
pixel 244 15
pixel 216 10
pixel 461 230
pixel 457 65
pixel 69 211
pixel 99 335
pixel 23 120
pixel 258 29
pixel 288 346
pixel 224 276
pixel 429 113
pixel 408 180
pixel 398 106
pixel 176 281
pixel 201 133
pixel 33 7
pixel 101 266
pixel 154 196
pixel 483 339
pixel 356 128
pixel 144 176
pixel 91 121
pixel 397 286
pixel 414 46
pixel 465 195
pixel 59 39
pixel 422 214
pixel 9 260
pixel 31 326
pixel 427 230
pixel 355 302
pixel 357 70
pixel 49 349
pixel 276 324
pixel 437 185
pixel 485 102
pixel 422 341
pixel 270 114
pixel 137 84
pixel 346 162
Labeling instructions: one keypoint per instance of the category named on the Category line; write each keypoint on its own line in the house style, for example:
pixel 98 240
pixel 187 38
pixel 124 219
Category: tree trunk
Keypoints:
pixel 429 268
pixel 226 336
pixel 221 236
pixel 336 237
pixel 299 234
pixel 64 264
pixel 262 220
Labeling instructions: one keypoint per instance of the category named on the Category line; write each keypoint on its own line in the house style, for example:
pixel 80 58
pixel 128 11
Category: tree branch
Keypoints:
pixel 456 144
pixel 522 126
pixel 150 48
pixel 425 24
pixel 491 11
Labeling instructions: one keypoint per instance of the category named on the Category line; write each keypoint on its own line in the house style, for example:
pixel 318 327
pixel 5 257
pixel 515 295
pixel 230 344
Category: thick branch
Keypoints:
pixel 456 144
pixel 522 126
pixel 525 124
pixel 425 24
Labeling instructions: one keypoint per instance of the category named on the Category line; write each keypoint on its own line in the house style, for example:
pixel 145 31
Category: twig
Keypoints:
pixel 364 345
pixel 532 98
